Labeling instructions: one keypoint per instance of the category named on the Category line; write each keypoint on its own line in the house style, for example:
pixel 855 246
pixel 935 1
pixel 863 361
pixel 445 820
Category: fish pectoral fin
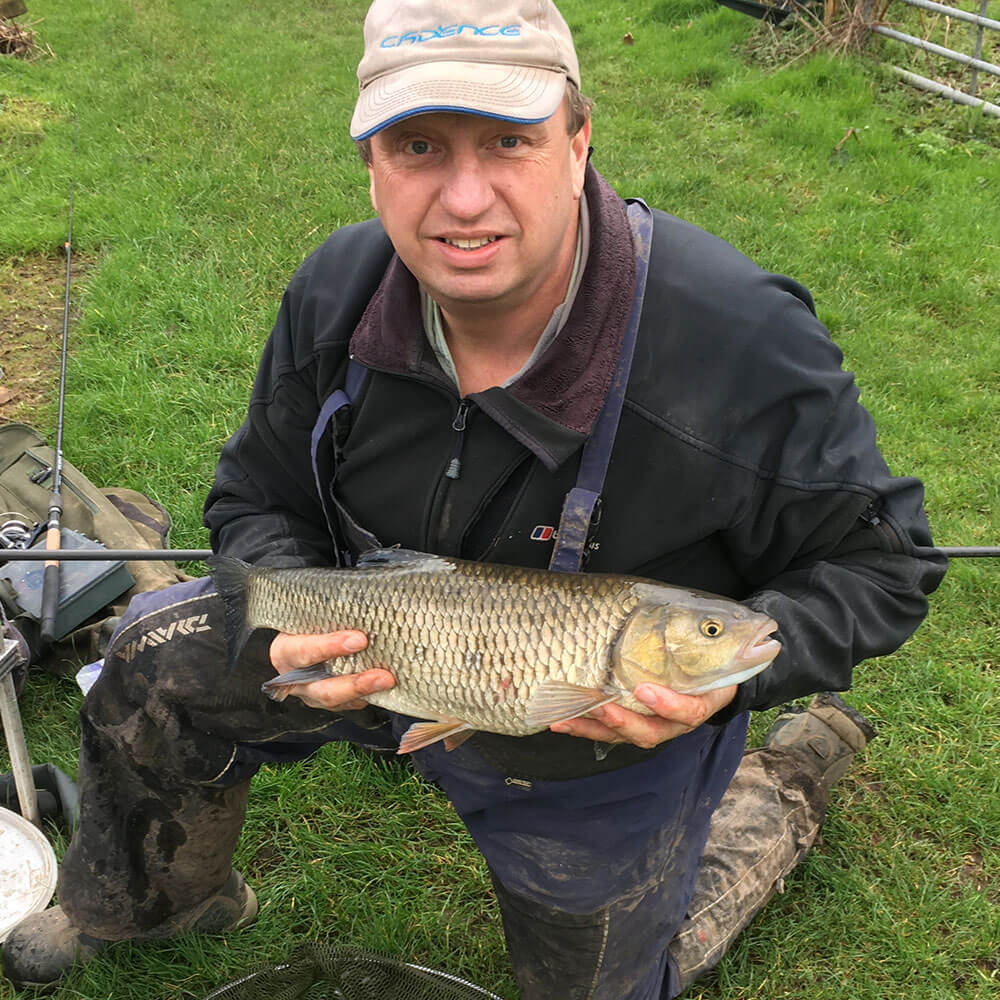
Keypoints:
pixel 423 734
pixel 556 701
pixel 277 687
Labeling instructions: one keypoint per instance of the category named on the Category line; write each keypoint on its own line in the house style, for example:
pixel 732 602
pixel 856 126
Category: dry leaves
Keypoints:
pixel 19 40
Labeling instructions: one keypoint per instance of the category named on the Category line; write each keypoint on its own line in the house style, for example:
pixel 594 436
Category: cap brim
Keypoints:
pixel 510 93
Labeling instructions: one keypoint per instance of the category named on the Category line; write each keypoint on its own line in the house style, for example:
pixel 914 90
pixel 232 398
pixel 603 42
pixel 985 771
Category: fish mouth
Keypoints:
pixel 760 648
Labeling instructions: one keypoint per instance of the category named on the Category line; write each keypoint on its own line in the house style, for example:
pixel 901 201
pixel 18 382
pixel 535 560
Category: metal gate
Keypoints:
pixel 974 62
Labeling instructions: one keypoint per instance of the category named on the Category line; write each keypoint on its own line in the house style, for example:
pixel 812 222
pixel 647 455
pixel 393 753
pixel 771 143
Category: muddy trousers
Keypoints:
pixel 598 878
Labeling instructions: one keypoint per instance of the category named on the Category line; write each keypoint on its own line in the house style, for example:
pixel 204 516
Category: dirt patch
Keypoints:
pixel 32 294
pixel 973 875
pixel 23 120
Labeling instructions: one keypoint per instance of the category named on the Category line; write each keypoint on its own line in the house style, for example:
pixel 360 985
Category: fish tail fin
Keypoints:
pixel 277 688
pixel 232 582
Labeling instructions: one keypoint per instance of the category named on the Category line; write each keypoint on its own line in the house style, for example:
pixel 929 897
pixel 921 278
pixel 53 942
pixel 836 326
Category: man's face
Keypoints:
pixel 482 212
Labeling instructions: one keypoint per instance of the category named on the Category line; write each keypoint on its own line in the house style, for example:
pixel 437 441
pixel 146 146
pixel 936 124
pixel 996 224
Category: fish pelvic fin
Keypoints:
pixel 232 580
pixel 601 750
pixel 557 701
pixel 423 734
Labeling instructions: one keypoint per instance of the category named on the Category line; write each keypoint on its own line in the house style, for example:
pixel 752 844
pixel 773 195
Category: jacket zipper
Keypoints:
pixel 871 517
pixel 458 425
pixel 453 471
pixel 437 527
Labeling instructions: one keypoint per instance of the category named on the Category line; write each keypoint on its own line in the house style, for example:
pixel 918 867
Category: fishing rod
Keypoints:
pixel 53 535
pixel 198 555
pixel 104 555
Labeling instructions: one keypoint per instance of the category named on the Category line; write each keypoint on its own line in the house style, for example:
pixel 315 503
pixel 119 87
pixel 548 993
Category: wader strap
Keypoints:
pixel 338 400
pixel 582 507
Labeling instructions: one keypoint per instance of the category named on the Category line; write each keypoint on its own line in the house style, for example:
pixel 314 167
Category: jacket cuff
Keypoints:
pixel 741 703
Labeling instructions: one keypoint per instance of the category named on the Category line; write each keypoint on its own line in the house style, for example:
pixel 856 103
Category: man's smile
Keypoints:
pixel 469 244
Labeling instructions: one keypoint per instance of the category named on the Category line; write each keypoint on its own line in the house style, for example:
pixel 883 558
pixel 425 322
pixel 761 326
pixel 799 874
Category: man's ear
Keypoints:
pixel 580 151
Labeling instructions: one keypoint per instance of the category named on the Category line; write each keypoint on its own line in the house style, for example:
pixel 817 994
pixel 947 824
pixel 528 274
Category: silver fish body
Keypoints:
pixel 500 648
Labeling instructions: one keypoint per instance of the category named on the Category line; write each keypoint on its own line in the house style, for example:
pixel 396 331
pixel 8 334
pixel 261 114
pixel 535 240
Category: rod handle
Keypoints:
pixel 50 588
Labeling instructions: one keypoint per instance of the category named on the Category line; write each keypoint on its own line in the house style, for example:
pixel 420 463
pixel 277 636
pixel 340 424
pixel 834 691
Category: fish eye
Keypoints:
pixel 712 628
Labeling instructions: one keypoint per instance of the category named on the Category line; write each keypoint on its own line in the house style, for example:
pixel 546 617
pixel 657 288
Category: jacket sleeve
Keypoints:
pixel 836 549
pixel 263 506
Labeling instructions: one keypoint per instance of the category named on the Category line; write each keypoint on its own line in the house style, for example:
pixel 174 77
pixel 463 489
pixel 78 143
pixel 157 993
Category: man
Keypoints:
pixel 479 327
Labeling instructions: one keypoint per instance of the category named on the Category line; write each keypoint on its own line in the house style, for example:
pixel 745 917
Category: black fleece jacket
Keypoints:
pixel 744 463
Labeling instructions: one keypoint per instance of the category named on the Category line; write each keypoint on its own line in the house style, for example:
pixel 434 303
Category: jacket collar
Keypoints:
pixel 552 407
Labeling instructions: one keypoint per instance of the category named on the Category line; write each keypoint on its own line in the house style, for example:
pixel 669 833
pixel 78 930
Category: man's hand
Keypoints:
pixel 676 714
pixel 347 692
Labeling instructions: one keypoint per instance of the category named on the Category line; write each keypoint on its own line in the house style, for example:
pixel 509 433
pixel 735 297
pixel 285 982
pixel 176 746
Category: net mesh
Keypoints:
pixel 340 972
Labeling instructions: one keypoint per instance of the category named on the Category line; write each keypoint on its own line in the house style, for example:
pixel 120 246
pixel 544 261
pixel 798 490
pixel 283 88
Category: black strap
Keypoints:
pixel 582 507
pixel 338 400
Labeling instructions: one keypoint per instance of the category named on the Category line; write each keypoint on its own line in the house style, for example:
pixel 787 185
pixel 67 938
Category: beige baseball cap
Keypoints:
pixel 506 59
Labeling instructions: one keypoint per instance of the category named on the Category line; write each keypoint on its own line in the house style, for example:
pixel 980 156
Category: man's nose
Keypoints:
pixel 466 189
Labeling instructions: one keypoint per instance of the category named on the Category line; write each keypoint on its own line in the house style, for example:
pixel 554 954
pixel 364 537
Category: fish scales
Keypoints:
pixel 473 643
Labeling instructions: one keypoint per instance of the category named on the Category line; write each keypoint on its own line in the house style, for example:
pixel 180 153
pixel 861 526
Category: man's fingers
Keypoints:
pixel 291 652
pixel 690 709
pixel 345 691
pixel 675 714
pixel 614 724
pixel 642 736
pixel 339 691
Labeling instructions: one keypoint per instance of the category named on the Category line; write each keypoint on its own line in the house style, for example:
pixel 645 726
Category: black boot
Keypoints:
pixel 829 732
pixel 768 819
pixel 41 949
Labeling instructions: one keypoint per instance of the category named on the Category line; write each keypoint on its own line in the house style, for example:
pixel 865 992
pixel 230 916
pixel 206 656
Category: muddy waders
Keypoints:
pixel 598 878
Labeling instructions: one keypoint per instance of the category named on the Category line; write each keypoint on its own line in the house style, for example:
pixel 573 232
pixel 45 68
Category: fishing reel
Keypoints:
pixel 17 533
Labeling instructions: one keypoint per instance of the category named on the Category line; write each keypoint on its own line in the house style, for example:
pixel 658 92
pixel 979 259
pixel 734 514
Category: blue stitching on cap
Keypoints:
pixel 431 109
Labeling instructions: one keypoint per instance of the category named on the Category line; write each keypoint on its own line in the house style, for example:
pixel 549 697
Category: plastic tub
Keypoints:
pixel 28 870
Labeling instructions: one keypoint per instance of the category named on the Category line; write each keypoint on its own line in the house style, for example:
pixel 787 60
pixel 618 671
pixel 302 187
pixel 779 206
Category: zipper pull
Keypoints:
pixel 870 515
pixel 458 425
pixel 518 782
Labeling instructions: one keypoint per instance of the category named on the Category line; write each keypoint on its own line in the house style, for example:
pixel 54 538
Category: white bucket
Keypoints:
pixel 28 870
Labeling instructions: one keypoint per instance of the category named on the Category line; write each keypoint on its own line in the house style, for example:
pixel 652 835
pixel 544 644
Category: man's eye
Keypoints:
pixel 508 141
pixel 420 147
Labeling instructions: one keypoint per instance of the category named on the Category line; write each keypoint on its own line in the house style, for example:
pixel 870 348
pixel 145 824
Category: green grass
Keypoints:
pixel 211 156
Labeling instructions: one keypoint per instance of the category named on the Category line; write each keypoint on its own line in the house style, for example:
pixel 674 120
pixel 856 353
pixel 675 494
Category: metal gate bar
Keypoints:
pixel 938 50
pixel 974 62
pixel 955 14
pixel 958 96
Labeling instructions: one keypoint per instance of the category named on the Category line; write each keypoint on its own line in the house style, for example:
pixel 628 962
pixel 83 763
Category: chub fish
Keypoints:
pixel 484 646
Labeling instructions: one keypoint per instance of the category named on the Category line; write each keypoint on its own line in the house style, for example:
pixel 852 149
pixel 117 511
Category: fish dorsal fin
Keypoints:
pixel 409 559
pixel 556 701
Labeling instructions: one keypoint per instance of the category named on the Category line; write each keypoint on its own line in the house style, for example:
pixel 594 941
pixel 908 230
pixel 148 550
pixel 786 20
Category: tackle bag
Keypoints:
pixel 116 517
